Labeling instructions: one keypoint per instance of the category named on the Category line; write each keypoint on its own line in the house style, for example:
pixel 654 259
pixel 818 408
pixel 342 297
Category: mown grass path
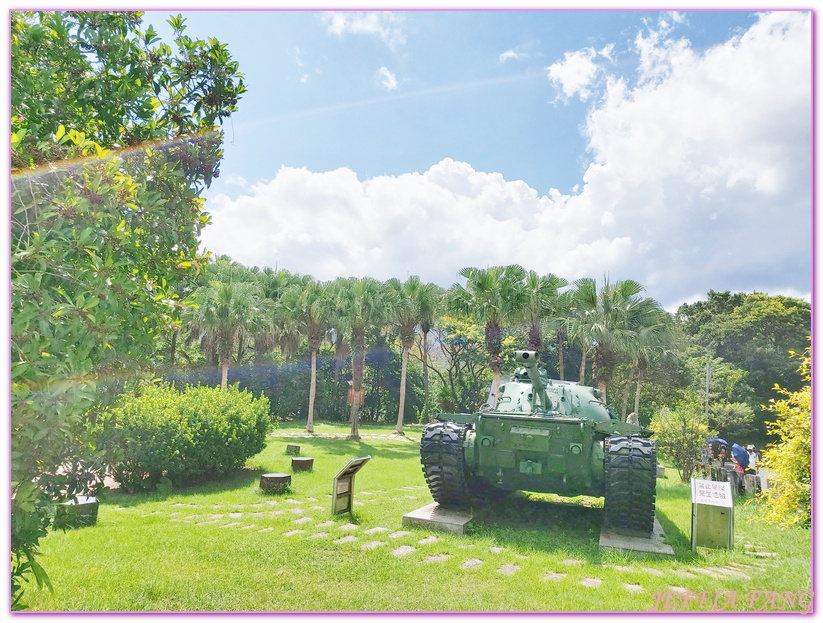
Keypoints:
pixel 229 546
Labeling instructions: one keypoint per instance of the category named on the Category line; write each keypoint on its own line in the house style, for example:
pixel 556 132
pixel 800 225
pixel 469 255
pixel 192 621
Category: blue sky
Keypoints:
pixel 671 148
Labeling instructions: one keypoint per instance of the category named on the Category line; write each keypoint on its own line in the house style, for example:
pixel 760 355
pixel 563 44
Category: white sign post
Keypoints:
pixel 712 514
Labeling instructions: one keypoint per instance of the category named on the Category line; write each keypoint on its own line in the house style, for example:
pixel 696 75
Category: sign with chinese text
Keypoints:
pixel 712 492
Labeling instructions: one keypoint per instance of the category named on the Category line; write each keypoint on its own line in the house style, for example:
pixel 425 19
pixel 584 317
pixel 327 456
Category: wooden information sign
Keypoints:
pixel 712 514
pixel 342 498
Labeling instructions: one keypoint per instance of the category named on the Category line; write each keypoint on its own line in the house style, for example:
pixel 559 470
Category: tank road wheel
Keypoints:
pixel 441 453
pixel 630 475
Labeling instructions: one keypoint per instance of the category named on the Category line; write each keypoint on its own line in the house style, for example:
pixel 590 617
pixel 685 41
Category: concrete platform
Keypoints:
pixel 653 545
pixel 433 517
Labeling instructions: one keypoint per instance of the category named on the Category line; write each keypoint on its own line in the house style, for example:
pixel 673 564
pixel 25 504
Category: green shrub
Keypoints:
pixel 199 432
pixel 679 434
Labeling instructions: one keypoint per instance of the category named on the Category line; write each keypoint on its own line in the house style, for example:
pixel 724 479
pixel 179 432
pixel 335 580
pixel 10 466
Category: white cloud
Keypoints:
pixel 511 55
pixel 385 25
pixel 386 79
pixel 700 177
pixel 575 74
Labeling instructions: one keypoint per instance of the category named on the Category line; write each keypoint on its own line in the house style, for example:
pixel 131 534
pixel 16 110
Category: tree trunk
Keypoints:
pixel 626 399
pixel 637 393
pixel 173 346
pixel 224 376
pixel 601 385
pixel 240 349
pixel 425 372
pixel 560 367
pixel 358 364
pixel 583 367
pixel 403 367
pixel 535 337
pixel 312 391
pixel 496 364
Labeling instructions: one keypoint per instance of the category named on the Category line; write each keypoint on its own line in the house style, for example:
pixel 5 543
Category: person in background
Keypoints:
pixel 752 469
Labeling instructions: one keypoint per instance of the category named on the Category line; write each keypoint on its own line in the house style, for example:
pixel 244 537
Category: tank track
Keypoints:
pixel 441 453
pixel 630 473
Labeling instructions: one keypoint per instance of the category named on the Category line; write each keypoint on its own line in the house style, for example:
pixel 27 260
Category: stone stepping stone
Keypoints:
pixel 678 589
pixel 346 539
pixel 257 506
pixel 318 535
pixel 173 514
pixel 472 563
pixel 496 550
pixel 651 571
pixel 366 493
pixel 290 501
pixel 293 532
pixel 303 520
pixel 297 511
pixel 735 573
pixel 271 502
pixel 216 516
pixel 438 558
pixel 348 526
pixel 571 561
pixel 398 534
pixel 237 505
pixel 258 514
pixel 317 508
pixel 591 582
pixel 521 557
pixel 235 515
pixel 401 551
pixel 205 523
pixel 375 530
pixel 623 568
pixel 752 567
pixel 749 553
pixel 428 540
pixel 218 505
pixel 311 499
pixel 372 544
pixel 633 588
pixel 551 575
pixel 509 569
pixel 247 527
pixel 708 572
pixel 357 503
pixel 684 574
pixel 150 514
pixel 466 546
pixel 231 525
pixel 269 529
pixel 276 513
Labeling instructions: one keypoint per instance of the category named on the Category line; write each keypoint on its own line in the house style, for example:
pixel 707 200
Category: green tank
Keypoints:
pixel 545 436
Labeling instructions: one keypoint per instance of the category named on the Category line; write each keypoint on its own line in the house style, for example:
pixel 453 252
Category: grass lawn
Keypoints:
pixel 228 546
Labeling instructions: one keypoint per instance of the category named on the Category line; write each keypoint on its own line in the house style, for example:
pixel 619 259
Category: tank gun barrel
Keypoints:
pixel 528 358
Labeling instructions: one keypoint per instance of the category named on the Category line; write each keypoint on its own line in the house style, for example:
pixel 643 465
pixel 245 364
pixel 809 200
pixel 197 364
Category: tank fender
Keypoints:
pixel 616 427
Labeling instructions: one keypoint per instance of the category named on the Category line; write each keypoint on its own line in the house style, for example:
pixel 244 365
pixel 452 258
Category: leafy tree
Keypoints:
pixel 616 321
pixel 789 461
pixel 226 312
pixel 680 434
pixel 311 308
pixel 732 420
pixel 98 246
pixel 429 298
pixel 465 375
pixel 362 303
pixel 406 315
pixel 493 297
pixel 541 301
pixel 752 332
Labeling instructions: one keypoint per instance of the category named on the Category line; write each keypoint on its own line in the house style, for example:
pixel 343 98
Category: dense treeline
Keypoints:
pixel 424 349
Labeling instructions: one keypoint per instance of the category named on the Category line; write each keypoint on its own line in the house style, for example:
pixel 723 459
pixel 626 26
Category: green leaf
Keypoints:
pixel 40 574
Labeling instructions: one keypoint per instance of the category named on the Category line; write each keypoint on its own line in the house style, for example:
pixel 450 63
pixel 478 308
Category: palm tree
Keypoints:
pixel 540 302
pixel 608 324
pixel 656 337
pixel 429 298
pixel 493 297
pixel 308 305
pixel 225 313
pixel 406 315
pixel 362 303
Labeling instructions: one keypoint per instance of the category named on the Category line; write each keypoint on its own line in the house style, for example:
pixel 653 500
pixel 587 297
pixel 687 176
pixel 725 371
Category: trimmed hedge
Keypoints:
pixel 182 435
